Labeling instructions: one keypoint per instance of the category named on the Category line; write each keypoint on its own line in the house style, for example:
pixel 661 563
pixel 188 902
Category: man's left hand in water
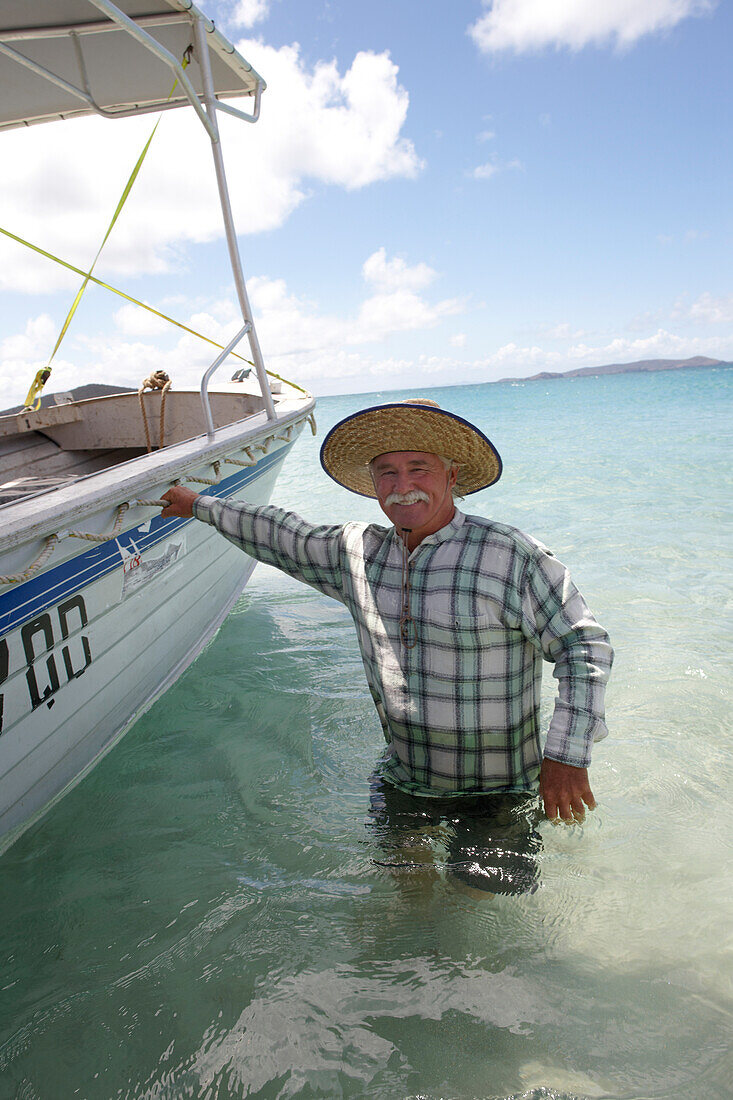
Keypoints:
pixel 565 791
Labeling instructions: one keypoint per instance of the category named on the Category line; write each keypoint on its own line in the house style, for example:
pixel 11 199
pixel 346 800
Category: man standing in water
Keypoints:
pixel 454 614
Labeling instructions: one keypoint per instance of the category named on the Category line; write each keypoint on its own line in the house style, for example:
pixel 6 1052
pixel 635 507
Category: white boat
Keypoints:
pixel 102 603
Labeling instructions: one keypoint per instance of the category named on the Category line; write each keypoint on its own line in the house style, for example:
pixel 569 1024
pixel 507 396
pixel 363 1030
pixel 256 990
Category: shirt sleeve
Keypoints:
pixel 309 553
pixel 557 618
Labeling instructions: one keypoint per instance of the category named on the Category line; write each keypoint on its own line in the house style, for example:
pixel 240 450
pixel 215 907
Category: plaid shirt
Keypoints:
pixel 460 710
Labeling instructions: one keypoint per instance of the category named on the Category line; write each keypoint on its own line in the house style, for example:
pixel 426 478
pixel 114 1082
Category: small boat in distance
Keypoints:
pixel 103 604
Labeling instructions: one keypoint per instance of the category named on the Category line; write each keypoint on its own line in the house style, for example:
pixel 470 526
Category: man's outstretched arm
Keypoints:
pixel 304 551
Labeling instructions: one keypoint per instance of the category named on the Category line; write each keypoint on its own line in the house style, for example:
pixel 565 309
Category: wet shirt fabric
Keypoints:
pixel 460 708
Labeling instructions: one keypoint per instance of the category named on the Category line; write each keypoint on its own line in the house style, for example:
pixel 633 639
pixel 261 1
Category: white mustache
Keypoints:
pixel 412 497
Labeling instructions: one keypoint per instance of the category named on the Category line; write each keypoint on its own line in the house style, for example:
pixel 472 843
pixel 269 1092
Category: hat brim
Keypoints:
pixel 351 445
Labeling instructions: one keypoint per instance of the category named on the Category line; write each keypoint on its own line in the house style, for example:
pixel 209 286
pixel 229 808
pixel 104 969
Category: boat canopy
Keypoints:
pixel 65 58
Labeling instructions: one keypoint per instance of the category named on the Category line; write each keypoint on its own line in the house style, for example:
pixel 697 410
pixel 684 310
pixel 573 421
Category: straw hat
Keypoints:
pixel 413 425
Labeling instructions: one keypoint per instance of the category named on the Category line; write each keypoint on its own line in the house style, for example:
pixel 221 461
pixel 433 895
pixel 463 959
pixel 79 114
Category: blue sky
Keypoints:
pixel 434 194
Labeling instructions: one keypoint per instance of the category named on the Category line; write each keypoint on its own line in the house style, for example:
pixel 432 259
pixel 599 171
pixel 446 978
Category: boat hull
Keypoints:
pixel 89 643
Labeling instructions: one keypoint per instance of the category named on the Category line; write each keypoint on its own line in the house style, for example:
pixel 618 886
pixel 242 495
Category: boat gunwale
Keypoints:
pixel 48 511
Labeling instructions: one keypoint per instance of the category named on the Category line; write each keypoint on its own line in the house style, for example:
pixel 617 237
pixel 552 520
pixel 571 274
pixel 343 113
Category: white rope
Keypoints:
pixel 50 543
pixel 241 462
pixel 100 538
pixel 206 481
pixel 19 578
pixel 252 461
pixel 201 480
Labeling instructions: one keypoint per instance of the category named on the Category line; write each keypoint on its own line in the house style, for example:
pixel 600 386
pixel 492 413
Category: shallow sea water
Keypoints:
pixel 203 916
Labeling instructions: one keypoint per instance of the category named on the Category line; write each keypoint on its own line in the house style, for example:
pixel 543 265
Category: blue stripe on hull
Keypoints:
pixel 25 601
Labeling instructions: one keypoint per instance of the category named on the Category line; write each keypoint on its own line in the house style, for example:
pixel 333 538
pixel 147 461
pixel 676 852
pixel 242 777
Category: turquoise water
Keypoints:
pixel 202 916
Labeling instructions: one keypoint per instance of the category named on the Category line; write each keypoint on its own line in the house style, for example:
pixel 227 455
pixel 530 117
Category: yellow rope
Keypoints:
pixel 37 385
pixel 33 400
pixel 136 302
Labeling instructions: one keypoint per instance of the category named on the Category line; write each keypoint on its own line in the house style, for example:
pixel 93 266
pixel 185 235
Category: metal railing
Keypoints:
pixel 207 375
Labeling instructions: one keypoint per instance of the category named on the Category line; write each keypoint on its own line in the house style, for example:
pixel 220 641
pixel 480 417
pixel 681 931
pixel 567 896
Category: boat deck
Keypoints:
pixel 32 463
pixel 57 444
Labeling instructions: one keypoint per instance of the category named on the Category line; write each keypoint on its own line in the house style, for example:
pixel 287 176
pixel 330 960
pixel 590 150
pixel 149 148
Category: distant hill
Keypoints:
pixel 698 362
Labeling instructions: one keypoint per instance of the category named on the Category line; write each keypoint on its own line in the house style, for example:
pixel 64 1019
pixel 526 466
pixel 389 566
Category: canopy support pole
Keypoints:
pixel 202 56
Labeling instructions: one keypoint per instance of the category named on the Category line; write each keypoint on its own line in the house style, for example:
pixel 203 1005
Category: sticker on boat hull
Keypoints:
pixel 138 570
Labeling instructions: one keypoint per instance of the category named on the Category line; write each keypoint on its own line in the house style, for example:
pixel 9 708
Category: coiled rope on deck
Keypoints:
pixel 158 380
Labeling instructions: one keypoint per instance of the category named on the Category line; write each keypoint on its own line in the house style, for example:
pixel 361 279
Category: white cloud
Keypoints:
pixel 516 361
pixel 688 237
pixel 514 356
pixel 561 331
pixel 492 166
pixel 299 340
pixel 132 321
pixel 485 171
pixel 528 25
pixel 60 183
pixel 290 326
pixel 34 343
pixel 659 345
pixel 388 275
pixel 248 12
pixel 648 318
pixel 331 354
pixel 708 309
pixel 400 311
pixel 359 350
pixel 25 353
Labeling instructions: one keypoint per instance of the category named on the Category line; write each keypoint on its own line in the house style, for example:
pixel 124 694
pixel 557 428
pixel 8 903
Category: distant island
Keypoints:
pixel 698 362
